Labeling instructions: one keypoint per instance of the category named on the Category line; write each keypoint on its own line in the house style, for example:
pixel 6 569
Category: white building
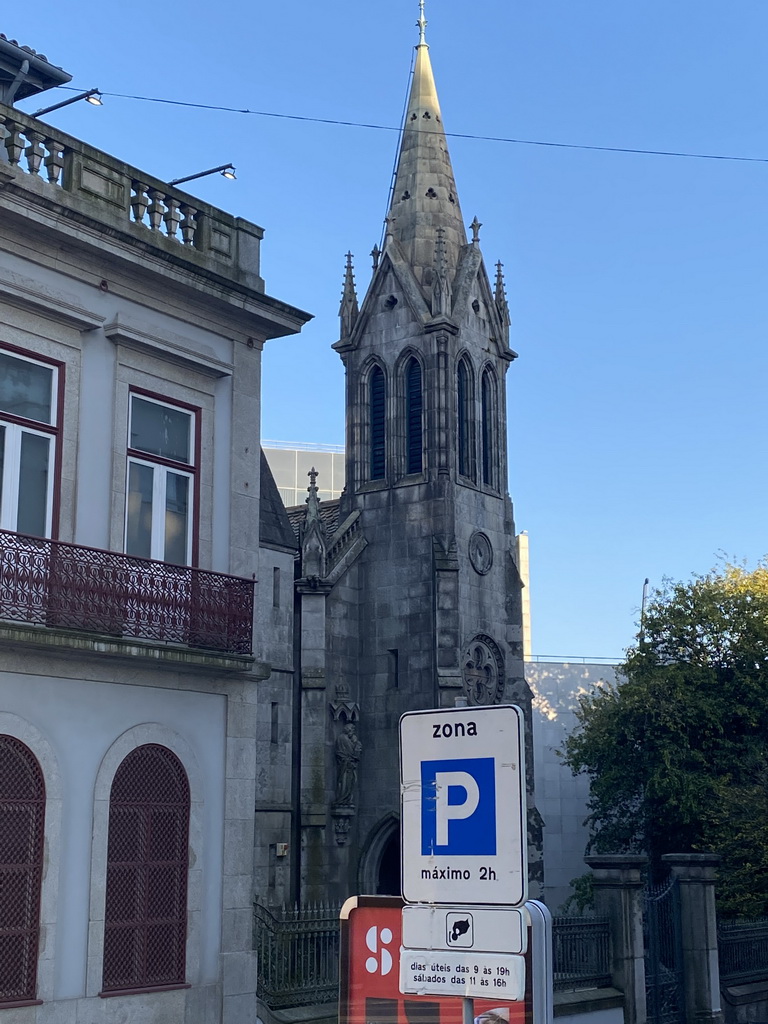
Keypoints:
pixel 136 734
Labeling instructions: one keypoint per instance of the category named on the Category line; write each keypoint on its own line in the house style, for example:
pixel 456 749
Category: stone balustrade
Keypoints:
pixel 117 194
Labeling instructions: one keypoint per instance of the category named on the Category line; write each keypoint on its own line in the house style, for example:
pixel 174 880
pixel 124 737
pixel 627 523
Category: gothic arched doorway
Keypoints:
pixel 380 861
pixel 389 867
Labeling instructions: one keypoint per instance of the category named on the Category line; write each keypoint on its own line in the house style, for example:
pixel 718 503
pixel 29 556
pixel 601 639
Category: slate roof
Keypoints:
pixel 275 527
pixel 329 513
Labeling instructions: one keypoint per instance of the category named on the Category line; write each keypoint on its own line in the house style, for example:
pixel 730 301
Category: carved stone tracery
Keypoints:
pixel 483 671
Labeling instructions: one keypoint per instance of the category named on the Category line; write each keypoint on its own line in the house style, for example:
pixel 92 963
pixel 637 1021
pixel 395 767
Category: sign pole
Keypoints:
pixel 468 1011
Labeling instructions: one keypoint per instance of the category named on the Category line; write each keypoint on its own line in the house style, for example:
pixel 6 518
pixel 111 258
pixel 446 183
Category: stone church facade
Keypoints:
pixel 408 590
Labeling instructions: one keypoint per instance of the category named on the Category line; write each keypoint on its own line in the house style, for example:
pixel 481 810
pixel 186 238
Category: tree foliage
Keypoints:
pixel 677 753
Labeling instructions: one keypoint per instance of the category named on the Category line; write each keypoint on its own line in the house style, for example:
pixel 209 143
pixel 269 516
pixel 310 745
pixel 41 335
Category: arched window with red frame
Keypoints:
pixel 22 821
pixel 145 916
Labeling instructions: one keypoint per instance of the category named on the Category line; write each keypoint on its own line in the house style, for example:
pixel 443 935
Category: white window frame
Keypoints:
pixel 15 428
pixel 161 468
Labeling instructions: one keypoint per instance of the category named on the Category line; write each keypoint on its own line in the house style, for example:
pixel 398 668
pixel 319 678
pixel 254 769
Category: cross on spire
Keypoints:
pixel 422 25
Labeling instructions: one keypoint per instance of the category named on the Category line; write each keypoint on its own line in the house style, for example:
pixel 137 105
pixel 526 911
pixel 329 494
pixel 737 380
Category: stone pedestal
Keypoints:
pixel 695 873
pixel 618 886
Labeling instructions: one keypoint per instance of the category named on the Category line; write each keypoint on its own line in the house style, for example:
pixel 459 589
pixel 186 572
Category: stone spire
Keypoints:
pixel 424 197
pixel 349 309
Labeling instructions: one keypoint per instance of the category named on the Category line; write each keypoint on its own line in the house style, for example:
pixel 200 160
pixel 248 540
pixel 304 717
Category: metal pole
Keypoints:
pixel 467 1011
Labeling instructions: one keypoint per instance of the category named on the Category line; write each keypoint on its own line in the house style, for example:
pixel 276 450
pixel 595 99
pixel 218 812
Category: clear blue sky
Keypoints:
pixel 637 284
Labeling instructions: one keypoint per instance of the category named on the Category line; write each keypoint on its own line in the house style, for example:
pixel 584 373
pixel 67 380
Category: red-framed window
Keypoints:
pixel 22 820
pixel 145 916
pixel 162 480
pixel 31 391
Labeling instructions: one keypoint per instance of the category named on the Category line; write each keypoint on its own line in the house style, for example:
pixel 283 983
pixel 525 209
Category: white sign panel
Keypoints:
pixel 462 778
pixel 481 930
pixel 467 974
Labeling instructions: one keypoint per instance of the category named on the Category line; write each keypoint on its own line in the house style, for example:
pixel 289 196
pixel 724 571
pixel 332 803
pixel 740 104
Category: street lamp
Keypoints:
pixel 226 171
pixel 92 96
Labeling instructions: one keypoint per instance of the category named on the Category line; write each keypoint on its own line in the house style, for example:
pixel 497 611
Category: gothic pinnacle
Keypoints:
pixel 500 293
pixel 422 25
pixel 349 308
pixel 312 503
pixel 441 289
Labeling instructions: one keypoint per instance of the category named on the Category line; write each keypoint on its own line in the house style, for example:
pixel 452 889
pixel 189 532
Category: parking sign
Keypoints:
pixel 462 777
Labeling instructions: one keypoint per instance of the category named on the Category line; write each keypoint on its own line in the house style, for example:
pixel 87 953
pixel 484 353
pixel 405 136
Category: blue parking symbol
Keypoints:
pixel 458 807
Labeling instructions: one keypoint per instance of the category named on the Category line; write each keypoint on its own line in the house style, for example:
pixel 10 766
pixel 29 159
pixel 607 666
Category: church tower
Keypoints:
pixel 427 608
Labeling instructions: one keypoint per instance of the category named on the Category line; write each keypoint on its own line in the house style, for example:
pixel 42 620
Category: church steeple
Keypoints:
pixel 424 198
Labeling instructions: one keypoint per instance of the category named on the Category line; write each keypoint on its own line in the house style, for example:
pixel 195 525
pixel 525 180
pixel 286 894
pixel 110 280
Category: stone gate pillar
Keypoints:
pixel 695 874
pixel 618 888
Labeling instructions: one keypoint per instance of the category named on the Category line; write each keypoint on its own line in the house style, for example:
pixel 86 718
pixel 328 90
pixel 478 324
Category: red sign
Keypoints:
pixel 370 969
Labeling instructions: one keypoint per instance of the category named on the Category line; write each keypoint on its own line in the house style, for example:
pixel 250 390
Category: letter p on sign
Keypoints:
pixel 446 784
pixel 458 807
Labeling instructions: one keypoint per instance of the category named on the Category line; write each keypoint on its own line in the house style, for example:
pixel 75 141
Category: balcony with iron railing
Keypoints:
pixel 55 586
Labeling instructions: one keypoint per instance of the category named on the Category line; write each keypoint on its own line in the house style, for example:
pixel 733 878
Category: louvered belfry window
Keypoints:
pixel 464 431
pixel 145 917
pixel 488 397
pixel 378 407
pixel 22 819
pixel 414 406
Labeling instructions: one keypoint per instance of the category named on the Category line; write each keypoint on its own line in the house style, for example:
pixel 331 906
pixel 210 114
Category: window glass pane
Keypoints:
pixel 160 430
pixel 414 403
pixel 25 388
pixel 462 420
pixel 139 531
pixel 176 518
pixel 2 466
pixel 33 484
pixel 378 398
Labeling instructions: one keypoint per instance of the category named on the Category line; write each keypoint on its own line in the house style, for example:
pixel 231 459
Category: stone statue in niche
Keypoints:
pixel 348 751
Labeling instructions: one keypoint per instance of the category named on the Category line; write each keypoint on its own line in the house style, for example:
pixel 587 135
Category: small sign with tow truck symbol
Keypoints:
pixel 459 931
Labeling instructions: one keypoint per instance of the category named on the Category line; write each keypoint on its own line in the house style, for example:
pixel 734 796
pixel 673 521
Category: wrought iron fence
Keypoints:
pixel 581 952
pixel 743 950
pixel 298 954
pixel 51 583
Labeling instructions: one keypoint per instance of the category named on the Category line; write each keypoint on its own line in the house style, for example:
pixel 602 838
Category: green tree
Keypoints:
pixel 677 753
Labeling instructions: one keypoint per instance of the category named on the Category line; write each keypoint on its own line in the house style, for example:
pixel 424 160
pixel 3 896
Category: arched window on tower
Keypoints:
pixel 22 819
pixel 145 917
pixel 414 407
pixel 377 401
pixel 488 428
pixel 464 436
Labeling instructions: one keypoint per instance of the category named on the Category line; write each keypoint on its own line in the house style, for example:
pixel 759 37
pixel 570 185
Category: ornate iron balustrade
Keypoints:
pixel 581 952
pixel 743 950
pixel 298 954
pixel 51 583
